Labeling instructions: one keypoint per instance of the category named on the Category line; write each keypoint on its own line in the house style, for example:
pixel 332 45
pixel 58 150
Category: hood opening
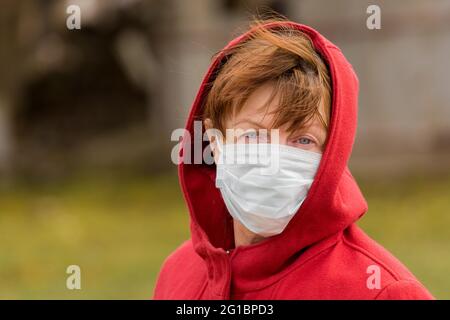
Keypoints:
pixel 334 200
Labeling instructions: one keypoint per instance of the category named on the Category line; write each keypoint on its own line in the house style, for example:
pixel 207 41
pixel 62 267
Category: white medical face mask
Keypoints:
pixel 264 185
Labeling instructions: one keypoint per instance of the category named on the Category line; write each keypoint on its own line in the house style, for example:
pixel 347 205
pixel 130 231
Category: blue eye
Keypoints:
pixel 254 136
pixel 249 136
pixel 304 141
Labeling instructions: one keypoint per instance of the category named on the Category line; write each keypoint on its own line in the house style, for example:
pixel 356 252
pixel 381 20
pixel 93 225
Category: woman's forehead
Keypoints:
pixel 259 112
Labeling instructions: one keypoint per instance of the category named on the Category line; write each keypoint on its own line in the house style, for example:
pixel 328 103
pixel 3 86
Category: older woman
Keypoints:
pixel 287 233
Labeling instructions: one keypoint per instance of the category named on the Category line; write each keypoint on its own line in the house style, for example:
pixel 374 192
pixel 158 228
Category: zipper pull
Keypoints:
pixel 229 252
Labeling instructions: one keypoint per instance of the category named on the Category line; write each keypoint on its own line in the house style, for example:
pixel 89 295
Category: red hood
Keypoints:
pixel 334 201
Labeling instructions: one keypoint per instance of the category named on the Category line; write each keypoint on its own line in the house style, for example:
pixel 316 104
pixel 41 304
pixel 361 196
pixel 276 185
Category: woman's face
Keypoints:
pixel 252 117
pixel 246 126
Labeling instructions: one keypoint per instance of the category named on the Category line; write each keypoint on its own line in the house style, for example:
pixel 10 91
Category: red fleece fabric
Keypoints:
pixel 321 254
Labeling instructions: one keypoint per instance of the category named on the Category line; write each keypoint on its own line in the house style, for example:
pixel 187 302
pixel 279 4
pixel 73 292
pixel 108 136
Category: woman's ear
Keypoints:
pixel 212 137
pixel 208 126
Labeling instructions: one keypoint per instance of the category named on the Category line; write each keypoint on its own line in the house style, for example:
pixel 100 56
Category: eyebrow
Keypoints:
pixel 251 122
pixel 303 130
pixel 299 131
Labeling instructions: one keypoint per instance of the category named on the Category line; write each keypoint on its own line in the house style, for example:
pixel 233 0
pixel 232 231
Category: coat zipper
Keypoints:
pixel 228 286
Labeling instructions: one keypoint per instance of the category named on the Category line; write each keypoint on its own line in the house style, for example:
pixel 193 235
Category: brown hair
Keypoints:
pixel 283 55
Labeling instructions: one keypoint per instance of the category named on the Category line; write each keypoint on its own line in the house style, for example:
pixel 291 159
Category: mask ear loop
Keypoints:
pixel 220 161
pixel 214 136
pixel 219 148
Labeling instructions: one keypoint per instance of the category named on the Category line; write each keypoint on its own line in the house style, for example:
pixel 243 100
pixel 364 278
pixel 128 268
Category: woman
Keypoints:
pixel 290 234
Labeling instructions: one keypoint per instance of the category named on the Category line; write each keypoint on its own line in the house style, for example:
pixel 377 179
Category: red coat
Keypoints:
pixel 321 254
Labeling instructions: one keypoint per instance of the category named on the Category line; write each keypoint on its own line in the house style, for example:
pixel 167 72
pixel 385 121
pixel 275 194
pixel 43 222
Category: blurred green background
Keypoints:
pixel 120 229
pixel 86 117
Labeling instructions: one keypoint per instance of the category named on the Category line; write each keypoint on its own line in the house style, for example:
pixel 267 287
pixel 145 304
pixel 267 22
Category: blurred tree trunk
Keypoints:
pixel 9 70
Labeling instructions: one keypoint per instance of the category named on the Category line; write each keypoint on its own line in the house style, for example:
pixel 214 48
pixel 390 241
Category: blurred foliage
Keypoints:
pixel 119 230
pixel 410 218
